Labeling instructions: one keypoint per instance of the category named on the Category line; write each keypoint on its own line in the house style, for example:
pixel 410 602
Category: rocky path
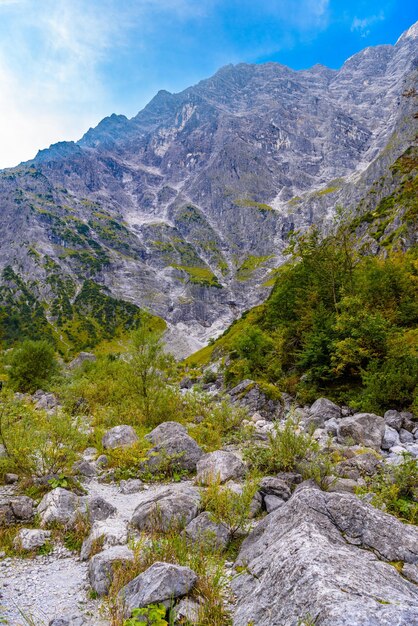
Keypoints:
pixel 33 591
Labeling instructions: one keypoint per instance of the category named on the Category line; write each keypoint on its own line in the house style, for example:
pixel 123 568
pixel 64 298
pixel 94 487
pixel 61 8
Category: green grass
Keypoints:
pixel 248 267
pixel 199 275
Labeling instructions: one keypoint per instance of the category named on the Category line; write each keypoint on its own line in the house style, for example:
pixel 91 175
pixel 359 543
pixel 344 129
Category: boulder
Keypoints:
pixel 174 506
pixel 323 410
pixel 85 468
pixel 331 427
pixel 269 485
pixel 166 431
pixel 393 419
pixel 62 506
pixel 390 438
pixel 101 567
pixel 31 538
pixel 96 508
pixel 14 509
pixel 301 561
pixel 119 437
pixel 58 506
pixel 110 532
pixel 345 485
pixel 162 582
pixel 405 436
pixel 172 442
pixel 358 466
pixel 204 530
pixel 366 429
pixel 219 465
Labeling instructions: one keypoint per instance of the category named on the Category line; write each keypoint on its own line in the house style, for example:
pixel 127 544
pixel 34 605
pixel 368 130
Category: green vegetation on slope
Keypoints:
pixel 335 323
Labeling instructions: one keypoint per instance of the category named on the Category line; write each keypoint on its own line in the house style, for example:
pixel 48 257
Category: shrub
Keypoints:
pixel 36 443
pixel 286 448
pixel 395 489
pixel 32 366
pixel 229 507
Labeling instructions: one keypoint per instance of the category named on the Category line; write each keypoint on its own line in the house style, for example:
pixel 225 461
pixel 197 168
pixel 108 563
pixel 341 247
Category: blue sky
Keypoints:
pixel 66 64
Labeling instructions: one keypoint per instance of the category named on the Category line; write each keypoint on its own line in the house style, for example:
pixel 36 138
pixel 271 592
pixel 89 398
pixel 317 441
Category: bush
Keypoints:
pixel 286 448
pixel 32 366
pixel 395 489
pixel 229 507
pixel 36 443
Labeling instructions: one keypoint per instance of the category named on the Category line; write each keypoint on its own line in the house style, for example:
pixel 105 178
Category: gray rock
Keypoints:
pixel 111 532
pixel 290 478
pixel 90 454
pixel 405 436
pixel 161 582
pixel 204 530
pixel 323 410
pixel 84 468
pixel 81 358
pixel 31 538
pixel 101 567
pixel 11 479
pixel 412 448
pixel 393 419
pixel 166 431
pixel 410 571
pixel 366 429
pixel 187 611
pixel 173 442
pixel 58 506
pixel 345 485
pixel 269 485
pixel 219 465
pixel 132 485
pixel 102 461
pixel 331 427
pixel 15 509
pixel 300 561
pixel 96 508
pixel 272 503
pixel 358 466
pixel 173 507
pixel 390 438
pixel 119 437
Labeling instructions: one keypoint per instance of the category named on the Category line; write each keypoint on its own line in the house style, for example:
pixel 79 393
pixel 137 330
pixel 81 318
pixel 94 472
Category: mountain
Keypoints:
pixel 185 209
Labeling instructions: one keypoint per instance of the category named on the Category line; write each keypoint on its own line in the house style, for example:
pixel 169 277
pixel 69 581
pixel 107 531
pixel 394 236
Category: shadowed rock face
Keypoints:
pixel 325 557
pixel 183 208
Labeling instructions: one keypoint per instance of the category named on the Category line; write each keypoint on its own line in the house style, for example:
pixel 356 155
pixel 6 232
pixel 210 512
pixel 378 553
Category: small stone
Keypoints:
pixel 132 485
pixel 31 538
pixel 10 479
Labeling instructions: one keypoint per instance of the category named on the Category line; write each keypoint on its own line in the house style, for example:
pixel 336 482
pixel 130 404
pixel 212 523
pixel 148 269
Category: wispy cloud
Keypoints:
pixel 362 25
pixel 62 62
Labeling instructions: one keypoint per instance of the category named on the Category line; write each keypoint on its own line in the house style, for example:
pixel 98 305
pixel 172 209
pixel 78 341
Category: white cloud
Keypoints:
pixel 52 55
pixel 362 25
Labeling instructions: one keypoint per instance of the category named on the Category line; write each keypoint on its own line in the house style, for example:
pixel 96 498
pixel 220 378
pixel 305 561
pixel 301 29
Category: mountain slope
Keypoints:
pixel 184 208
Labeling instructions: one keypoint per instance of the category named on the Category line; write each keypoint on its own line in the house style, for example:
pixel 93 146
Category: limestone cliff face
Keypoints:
pixel 184 208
